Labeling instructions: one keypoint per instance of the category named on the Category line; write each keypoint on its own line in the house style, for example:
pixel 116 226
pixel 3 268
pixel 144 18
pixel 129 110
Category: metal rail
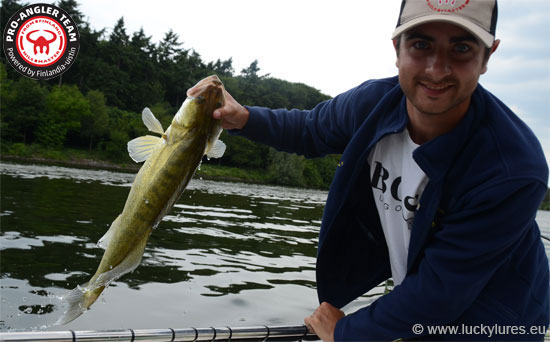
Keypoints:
pixel 259 333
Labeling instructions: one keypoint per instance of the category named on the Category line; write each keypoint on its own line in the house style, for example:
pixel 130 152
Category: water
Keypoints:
pixel 228 254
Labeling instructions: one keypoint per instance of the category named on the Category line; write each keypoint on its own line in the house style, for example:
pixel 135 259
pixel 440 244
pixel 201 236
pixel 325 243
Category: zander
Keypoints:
pixel 171 161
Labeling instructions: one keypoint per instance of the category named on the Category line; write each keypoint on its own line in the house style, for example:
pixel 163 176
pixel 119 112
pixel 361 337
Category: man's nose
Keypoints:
pixel 438 66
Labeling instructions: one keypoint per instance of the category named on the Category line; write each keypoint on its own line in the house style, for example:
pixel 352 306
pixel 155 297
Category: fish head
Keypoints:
pixel 205 97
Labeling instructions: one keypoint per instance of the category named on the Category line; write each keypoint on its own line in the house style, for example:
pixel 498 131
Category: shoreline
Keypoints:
pixel 85 163
pixel 80 164
pixel 93 164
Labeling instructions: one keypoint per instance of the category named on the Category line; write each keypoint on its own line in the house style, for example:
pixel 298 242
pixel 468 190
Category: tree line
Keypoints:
pixel 96 104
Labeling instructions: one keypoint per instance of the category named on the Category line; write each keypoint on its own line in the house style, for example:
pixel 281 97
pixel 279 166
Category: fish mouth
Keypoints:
pixel 205 87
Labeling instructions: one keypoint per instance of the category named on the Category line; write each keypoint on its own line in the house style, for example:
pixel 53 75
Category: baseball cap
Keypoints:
pixel 479 17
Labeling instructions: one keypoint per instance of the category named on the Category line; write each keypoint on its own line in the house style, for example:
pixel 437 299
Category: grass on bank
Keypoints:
pixel 97 159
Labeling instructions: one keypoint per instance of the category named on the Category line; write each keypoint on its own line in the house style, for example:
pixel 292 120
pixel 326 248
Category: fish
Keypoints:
pixel 171 160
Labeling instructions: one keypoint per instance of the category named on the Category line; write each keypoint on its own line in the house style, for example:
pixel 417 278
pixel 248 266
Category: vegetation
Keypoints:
pixel 94 107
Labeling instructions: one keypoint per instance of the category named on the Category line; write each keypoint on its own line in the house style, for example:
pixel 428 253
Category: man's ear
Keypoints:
pixel 493 49
pixel 396 47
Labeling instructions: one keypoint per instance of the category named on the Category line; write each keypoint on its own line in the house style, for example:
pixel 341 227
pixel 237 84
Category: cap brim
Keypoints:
pixel 485 37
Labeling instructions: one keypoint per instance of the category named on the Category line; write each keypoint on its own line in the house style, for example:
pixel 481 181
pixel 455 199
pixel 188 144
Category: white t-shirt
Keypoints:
pixel 397 184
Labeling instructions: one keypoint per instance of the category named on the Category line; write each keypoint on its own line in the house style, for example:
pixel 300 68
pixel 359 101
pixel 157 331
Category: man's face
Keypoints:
pixel 439 67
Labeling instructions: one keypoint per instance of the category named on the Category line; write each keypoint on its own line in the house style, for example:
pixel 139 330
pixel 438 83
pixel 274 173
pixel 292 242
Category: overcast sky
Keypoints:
pixel 335 45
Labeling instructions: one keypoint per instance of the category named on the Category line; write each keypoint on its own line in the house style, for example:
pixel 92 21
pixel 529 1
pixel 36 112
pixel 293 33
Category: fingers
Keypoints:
pixel 323 321
pixel 232 114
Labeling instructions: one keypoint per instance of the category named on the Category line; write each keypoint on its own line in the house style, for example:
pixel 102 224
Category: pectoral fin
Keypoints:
pixel 141 148
pixel 216 151
pixel 151 122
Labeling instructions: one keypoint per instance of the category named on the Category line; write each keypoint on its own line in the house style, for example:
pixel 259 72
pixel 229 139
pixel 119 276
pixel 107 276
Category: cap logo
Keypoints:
pixel 447 6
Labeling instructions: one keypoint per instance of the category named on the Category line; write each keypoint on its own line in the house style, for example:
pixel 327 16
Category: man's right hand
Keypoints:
pixel 232 114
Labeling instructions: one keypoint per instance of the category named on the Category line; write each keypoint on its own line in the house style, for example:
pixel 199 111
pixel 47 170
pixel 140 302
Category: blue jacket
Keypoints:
pixel 475 255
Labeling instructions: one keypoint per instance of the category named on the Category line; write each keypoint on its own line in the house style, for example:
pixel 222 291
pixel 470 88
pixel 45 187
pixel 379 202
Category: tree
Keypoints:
pixel 71 7
pixel 119 36
pixel 64 107
pixel 252 71
pixel 8 8
pixel 22 103
pixel 169 47
pixel 95 123
pixel 286 168
pixel 222 68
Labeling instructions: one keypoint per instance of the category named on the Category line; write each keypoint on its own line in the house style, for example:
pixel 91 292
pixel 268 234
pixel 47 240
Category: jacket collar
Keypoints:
pixel 437 156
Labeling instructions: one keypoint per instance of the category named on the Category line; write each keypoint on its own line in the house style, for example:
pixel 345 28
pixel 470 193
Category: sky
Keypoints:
pixel 336 45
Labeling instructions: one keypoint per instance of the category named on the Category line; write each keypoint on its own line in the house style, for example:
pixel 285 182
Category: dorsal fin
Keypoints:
pixel 152 123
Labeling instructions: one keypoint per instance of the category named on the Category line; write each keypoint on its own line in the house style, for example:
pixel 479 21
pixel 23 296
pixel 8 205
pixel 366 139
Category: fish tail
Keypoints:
pixel 82 297
pixel 78 301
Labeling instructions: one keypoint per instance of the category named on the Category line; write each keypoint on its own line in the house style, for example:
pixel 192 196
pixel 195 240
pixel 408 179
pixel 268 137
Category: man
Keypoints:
pixel 438 187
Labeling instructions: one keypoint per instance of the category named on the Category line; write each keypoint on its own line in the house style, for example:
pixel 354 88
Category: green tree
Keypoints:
pixel 222 68
pixel 94 125
pixel 252 71
pixel 286 168
pixel 169 47
pixel 65 106
pixel 22 103
pixel 124 126
pixel 8 8
pixel 84 67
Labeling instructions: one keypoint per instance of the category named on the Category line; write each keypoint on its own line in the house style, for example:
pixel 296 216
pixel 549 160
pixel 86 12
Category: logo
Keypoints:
pixel 447 6
pixel 41 41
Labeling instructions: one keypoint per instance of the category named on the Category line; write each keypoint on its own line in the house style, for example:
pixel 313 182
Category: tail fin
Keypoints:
pixel 81 298
pixel 78 301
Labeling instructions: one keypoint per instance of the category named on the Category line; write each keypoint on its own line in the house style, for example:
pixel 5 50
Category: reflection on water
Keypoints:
pixel 226 255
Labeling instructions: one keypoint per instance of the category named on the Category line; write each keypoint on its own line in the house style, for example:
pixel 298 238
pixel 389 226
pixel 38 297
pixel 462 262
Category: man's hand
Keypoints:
pixel 232 114
pixel 323 321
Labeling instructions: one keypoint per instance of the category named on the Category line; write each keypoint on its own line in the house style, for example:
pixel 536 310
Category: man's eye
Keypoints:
pixel 462 48
pixel 421 45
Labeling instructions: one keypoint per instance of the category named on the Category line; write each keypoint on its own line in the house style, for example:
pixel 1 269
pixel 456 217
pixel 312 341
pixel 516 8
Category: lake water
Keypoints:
pixel 228 254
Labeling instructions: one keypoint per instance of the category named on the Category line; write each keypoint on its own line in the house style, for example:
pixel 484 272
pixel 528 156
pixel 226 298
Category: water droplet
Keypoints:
pixel 111 267
pixel 146 201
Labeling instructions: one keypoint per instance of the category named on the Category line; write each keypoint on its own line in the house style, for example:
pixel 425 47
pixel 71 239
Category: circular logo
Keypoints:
pixel 41 41
pixel 447 6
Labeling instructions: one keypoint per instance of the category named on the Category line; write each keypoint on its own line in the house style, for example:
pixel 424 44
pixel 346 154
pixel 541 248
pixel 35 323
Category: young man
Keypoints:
pixel 438 187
